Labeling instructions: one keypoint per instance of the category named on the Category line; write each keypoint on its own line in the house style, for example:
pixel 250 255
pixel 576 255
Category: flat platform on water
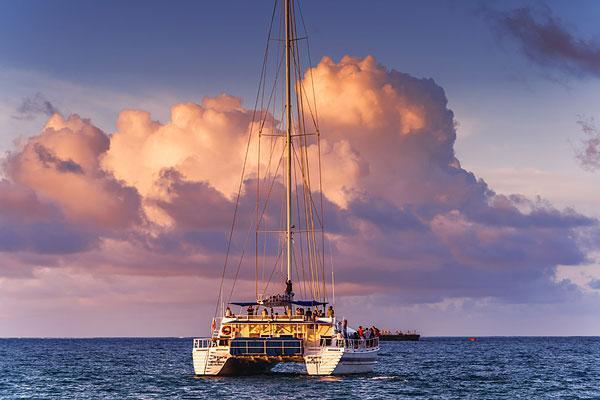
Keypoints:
pixel 409 337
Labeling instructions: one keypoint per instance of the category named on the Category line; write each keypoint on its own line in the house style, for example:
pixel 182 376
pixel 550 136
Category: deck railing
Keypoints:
pixel 283 317
pixel 270 347
pixel 202 343
pixel 352 343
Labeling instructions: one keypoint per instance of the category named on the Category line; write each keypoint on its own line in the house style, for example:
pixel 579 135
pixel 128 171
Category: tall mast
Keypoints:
pixel 288 142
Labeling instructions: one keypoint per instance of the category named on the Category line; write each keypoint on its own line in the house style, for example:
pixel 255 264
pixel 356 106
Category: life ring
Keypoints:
pixel 226 330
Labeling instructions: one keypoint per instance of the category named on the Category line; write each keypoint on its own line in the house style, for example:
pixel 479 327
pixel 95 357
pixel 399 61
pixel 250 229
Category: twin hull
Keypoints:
pixel 318 361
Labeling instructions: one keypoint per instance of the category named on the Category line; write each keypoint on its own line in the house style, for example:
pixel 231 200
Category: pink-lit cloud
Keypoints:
pixel 406 221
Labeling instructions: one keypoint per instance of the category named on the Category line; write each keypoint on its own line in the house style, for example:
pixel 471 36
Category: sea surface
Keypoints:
pixel 434 368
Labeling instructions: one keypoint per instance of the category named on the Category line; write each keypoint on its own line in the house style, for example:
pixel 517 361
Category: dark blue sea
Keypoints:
pixel 434 368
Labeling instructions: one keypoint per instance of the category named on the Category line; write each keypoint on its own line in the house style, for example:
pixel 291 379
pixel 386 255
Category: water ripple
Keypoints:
pixel 434 368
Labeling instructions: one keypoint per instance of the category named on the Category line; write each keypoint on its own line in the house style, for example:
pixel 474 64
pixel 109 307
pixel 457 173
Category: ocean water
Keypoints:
pixel 434 368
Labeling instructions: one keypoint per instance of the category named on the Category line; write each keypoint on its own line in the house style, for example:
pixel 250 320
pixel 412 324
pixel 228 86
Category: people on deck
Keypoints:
pixel 264 313
pixel 308 313
pixel 361 332
pixel 250 310
pixel 330 312
pixel 228 312
pixel 345 328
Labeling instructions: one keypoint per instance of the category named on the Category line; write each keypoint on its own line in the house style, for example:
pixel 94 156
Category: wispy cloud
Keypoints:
pixel 34 106
pixel 588 152
pixel 546 40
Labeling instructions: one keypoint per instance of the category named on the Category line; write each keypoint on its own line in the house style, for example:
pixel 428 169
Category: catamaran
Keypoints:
pixel 249 337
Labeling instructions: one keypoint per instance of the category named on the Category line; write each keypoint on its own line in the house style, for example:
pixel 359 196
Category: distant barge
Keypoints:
pixel 399 336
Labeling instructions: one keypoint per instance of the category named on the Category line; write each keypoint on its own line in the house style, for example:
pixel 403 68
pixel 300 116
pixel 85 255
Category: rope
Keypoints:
pixel 237 200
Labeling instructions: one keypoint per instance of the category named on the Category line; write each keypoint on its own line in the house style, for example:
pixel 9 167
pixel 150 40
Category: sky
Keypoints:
pixel 462 140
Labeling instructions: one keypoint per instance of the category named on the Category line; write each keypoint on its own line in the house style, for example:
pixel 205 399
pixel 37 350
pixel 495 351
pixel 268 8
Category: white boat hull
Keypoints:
pixel 323 361
pixel 341 361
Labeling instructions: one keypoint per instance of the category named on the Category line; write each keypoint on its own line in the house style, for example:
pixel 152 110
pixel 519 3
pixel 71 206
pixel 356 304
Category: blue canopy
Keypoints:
pixel 245 304
pixel 303 303
pixel 308 303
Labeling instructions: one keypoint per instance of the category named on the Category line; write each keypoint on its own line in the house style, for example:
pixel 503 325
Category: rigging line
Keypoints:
pixel 303 165
pixel 311 243
pixel 273 271
pixel 235 212
pixel 316 122
pixel 258 217
pixel 272 95
pixel 313 208
pixel 307 187
pixel 262 81
pixel 303 122
pixel 301 245
pixel 259 221
pixel 271 187
pixel 316 116
pixel 322 221
pixel 242 255
pixel 308 241
pixel 240 262
pixel 268 195
pixel 297 274
pixel 307 231
pixel 332 275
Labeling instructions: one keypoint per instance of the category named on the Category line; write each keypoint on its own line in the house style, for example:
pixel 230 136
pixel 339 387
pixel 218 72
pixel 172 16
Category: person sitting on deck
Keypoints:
pixel 250 311
pixel 264 313
pixel 330 312
pixel 299 311
pixel 228 312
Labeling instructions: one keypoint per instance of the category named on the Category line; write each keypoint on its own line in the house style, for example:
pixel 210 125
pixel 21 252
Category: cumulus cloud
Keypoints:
pixel 405 220
pixel 204 142
pixel 29 224
pixel 62 164
pixel 547 41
